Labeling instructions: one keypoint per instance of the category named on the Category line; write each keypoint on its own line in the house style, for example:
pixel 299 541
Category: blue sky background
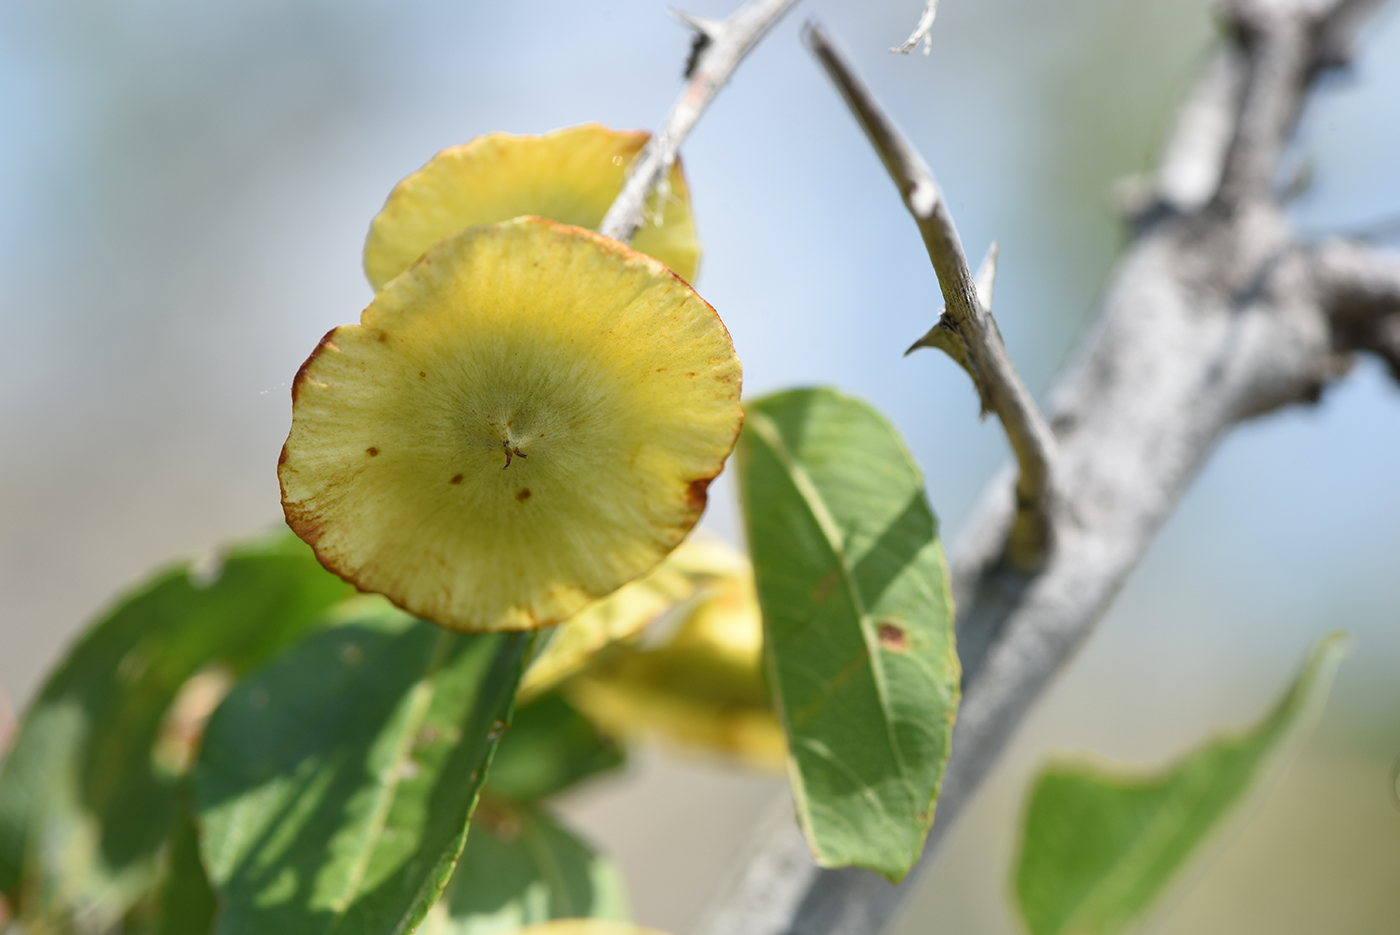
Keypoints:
pixel 187 189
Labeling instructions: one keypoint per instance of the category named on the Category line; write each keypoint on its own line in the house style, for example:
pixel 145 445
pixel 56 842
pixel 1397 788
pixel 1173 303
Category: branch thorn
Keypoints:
pixel 707 32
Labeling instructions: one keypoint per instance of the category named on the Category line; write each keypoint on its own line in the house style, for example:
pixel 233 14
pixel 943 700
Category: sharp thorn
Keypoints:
pixel 711 28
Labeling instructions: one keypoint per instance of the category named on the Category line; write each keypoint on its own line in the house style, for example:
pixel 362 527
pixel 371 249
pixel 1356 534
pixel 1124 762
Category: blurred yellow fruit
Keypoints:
pixel 585 927
pixel 570 175
pixel 685 573
pixel 693 678
pixel 524 421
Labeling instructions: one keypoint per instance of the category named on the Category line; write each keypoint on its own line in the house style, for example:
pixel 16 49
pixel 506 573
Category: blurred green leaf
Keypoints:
pixel 521 866
pixel 858 622
pixel 549 747
pixel 187 904
pixel 84 804
pixel 1097 846
pixel 335 785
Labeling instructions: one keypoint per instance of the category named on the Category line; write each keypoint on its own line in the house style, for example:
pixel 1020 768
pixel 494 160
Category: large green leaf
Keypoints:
pixel 335 785
pixel 84 804
pixel 521 866
pixel 1098 845
pixel 858 623
pixel 186 904
pixel 549 747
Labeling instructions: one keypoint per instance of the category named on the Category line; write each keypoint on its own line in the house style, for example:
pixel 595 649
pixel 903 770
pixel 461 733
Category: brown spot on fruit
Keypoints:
pixel 523 495
pixel 893 637
pixel 306 528
pixel 383 338
pixel 422 374
pixel 456 480
pixel 695 494
pixel 302 376
pixel 690 374
pixel 372 452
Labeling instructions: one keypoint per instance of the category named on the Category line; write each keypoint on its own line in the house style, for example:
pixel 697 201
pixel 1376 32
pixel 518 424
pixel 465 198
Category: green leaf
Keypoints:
pixel 549 747
pixel 858 623
pixel 1098 845
pixel 187 904
pixel 84 804
pixel 335 785
pixel 520 867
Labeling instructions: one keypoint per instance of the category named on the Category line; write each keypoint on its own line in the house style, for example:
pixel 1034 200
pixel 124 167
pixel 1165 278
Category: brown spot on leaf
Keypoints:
pixel 695 494
pixel 893 636
pixel 372 452
pixel 456 479
pixel 497 818
pixel 825 587
pixel 523 495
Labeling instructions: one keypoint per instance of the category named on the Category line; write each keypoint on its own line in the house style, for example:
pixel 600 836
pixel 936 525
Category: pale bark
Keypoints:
pixel 1215 314
pixel 720 45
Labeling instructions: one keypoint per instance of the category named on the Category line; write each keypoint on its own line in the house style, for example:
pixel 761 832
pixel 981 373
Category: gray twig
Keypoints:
pixel 1277 38
pixel 1359 286
pixel 1193 160
pixel 1211 317
pixel 965 329
pixel 719 48
pixel 922 31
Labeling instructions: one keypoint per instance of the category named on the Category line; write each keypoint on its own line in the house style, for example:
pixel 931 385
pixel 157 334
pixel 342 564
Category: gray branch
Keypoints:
pixel 720 45
pixel 966 327
pixel 1215 314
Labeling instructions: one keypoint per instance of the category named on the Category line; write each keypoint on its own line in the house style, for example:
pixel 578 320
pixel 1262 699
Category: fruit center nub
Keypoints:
pixel 511 451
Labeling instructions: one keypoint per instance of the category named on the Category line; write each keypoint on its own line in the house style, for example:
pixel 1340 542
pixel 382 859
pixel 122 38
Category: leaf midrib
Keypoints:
pixel 420 703
pixel 765 430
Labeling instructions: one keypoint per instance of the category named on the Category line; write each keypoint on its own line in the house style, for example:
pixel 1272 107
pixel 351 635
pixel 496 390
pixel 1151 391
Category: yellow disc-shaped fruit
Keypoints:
pixel 525 420
pixel 570 176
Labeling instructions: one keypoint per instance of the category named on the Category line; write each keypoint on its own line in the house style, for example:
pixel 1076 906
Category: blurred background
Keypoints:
pixel 184 192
